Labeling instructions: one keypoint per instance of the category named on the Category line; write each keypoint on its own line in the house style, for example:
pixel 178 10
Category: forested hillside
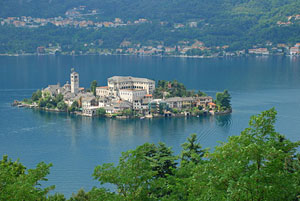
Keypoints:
pixel 176 10
pixel 237 23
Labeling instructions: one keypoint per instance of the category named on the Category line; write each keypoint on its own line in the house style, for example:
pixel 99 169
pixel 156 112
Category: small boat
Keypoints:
pixel 142 118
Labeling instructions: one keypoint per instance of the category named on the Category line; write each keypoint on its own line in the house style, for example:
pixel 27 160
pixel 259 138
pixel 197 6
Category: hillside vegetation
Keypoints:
pixel 237 23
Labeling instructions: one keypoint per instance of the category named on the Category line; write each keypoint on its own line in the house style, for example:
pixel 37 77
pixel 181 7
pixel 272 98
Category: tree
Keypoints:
pixel 17 183
pixel 127 112
pixel 62 106
pixel 93 87
pixel 101 112
pixel 36 95
pixel 49 105
pixel 56 197
pixel 190 158
pixel 162 160
pixel 200 93
pixel 259 164
pixel 80 196
pixel 58 98
pixel 223 99
pixel 192 151
pixel 42 103
pixel 133 174
pixel 74 106
pixel 141 174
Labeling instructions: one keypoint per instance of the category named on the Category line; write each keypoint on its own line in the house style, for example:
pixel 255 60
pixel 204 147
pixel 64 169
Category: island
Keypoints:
pixel 127 97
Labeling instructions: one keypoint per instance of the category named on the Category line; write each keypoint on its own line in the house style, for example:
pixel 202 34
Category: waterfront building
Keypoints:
pixel 90 111
pixel 117 83
pixel 180 102
pixel 127 88
pixel 103 101
pixel 102 91
pixel 132 95
pixel 119 106
pixel 261 51
pixel 203 101
pixel 158 105
pixel 212 106
pixel 52 90
pixel 187 102
pixel 88 101
pixel 294 51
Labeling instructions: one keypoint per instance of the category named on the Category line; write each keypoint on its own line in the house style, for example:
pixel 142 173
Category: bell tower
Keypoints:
pixel 74 77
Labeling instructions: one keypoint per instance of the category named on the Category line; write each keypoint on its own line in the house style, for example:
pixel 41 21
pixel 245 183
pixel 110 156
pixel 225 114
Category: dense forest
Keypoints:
pixel 237 23
pixel 259 164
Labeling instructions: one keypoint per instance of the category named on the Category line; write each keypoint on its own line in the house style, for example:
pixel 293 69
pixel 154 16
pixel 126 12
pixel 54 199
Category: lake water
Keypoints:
pixel 75 145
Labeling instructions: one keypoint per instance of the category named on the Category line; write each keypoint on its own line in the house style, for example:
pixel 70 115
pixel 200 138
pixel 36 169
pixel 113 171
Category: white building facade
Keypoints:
pixel 131 95
pixel 102 92
pixel 117 83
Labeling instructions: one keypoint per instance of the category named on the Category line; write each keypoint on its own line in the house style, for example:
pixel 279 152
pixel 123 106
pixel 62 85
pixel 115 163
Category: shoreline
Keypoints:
pixel 19 104
pixel 162 56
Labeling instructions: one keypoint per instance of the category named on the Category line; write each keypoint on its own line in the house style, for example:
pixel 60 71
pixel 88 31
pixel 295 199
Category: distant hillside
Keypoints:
pixel 237 23
pixel 170 10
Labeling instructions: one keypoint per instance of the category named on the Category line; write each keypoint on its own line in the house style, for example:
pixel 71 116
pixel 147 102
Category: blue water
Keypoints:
pixel 75 145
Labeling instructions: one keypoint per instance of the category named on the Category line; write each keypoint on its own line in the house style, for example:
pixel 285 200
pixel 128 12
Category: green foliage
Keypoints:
pixel 162 160
pixel 223 100
pixel 49 102
pixel 259 164
pixel 138 171
pixel 201 93
pixel 42 103
pixel 36 95
pixel 197 111
pixel 132 175
pixel 80 196
pixel 62 106
pixel 28 101
pixel 127 112
pixel 175 111
pixel 192 151
pixel 240 24
pixel 58 98
pixel 17 183
pixel 101 112
pixel 171 89
pixel 56 197
pixel 74 107
pixel 50 105
pixel 99 194
pixel 93 87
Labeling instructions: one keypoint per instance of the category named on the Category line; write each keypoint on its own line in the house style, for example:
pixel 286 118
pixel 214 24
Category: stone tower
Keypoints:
pixel 74 77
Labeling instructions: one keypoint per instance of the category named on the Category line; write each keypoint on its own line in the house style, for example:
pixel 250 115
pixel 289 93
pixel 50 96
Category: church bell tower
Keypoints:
pixel 74 77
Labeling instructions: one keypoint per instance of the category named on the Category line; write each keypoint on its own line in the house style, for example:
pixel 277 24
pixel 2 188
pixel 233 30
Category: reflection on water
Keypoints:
pixel 130 129
pixel 224 121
